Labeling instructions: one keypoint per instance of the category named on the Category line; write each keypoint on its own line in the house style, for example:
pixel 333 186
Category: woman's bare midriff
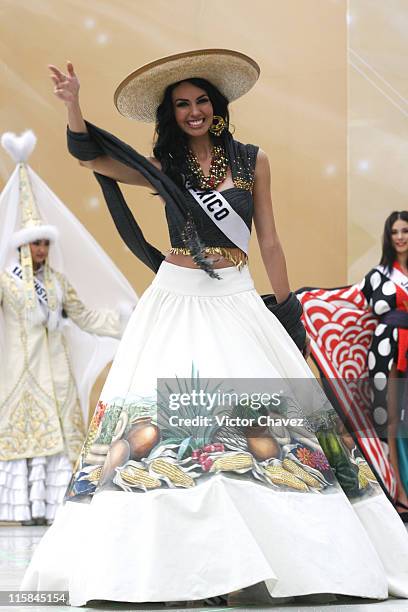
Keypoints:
pixel 186 261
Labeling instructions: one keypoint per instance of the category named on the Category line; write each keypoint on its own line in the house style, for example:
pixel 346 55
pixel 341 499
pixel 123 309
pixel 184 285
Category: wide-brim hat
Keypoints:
pixel 141 92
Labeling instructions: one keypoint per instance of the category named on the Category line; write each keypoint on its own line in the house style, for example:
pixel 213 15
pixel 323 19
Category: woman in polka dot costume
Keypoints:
pixel 386 291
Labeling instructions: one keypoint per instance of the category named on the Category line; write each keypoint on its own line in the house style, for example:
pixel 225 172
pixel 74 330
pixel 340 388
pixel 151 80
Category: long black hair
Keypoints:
pixel 388 252
pixel 171 143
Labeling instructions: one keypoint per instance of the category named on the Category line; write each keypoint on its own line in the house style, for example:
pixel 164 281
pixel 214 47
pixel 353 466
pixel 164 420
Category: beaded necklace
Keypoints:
pixel 218 168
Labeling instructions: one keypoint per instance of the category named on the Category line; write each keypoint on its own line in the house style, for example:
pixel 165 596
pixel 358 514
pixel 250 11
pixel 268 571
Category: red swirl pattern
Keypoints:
pixel 341 328
pixel 342 331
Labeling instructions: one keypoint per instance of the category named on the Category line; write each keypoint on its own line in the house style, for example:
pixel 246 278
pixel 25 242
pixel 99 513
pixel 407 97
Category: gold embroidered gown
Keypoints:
pixel 40 414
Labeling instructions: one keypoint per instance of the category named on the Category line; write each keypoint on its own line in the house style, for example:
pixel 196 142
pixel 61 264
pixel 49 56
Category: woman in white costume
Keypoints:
pixel 184 509
pixel 42 425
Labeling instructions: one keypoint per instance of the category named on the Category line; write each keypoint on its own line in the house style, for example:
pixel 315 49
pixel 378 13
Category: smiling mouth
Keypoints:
pixel 195 123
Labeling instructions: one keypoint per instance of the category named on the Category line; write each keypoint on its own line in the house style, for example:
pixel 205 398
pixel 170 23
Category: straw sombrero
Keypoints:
pixel 140 93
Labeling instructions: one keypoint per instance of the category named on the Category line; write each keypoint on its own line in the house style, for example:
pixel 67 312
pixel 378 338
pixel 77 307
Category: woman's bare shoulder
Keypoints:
pixel 262 167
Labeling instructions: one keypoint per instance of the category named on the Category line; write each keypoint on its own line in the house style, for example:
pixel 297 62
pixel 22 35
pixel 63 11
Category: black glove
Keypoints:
pixel 289 314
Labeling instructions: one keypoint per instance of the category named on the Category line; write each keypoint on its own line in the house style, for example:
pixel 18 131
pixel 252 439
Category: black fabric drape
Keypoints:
pixel 99 142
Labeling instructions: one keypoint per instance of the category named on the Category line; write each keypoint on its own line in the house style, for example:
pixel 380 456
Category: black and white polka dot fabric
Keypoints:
pixel 380 294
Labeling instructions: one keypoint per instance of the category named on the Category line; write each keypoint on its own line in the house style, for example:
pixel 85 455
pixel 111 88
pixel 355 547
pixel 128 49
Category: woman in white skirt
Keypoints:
pixel 176 496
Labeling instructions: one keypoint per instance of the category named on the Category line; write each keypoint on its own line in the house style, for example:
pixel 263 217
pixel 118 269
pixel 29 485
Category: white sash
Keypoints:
pixel 224 216
pixel 39 288
pixel 396 277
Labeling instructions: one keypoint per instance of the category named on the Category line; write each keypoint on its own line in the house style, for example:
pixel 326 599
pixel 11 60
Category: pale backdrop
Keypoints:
pixel 297 112
pixel 378 125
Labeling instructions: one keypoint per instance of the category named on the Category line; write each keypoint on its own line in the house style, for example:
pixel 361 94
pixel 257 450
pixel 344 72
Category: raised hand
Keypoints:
pixel 66 85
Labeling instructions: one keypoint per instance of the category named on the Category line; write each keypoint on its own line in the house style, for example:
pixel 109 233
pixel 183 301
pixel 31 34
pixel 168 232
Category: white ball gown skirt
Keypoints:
pixel 171 513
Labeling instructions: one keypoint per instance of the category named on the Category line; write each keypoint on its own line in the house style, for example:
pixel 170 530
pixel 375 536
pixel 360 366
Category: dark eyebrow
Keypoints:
pixel 187 100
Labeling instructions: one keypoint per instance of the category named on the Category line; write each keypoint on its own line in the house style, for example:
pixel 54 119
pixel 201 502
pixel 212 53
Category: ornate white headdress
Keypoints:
pixel 32 228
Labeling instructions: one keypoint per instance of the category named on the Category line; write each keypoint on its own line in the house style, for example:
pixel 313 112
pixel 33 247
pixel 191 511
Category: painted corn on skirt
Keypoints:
pixel 164 505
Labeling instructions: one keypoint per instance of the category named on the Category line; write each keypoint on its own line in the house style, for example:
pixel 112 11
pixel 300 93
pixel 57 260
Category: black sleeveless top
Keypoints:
pixel 239 198
pixel 188 224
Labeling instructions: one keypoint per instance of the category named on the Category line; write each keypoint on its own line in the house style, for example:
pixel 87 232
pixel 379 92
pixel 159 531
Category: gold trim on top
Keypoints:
pixel 235 256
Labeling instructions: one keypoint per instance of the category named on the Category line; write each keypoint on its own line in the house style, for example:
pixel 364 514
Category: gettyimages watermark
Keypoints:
pixel 228 401
pixel 238 403
pixel 223 398
pixel 361 404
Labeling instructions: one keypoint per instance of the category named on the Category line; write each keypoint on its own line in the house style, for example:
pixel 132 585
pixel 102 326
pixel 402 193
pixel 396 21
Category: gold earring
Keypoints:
pixel 218 125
